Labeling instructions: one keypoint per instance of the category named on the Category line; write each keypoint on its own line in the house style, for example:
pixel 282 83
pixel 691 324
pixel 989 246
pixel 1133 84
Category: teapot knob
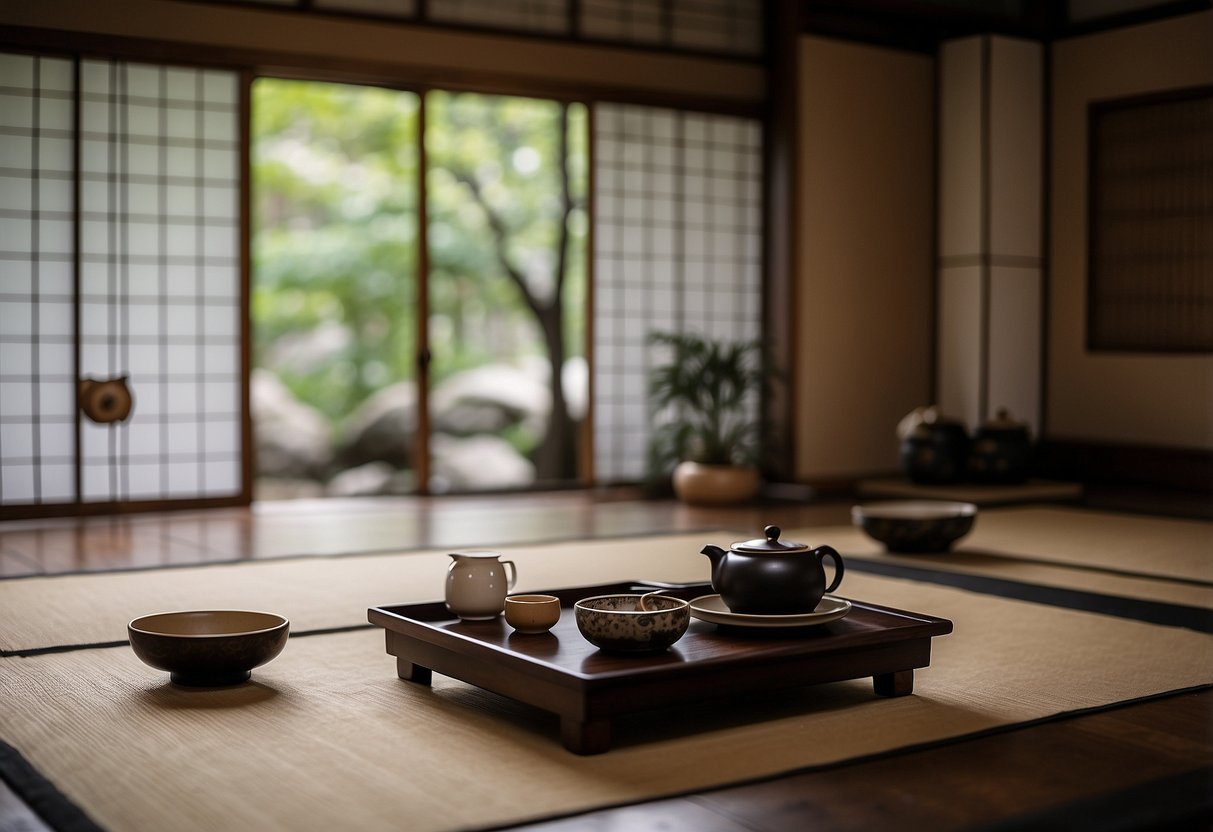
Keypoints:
pixel 772 533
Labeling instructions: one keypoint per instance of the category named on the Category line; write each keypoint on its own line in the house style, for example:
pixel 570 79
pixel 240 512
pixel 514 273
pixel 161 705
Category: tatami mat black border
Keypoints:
pixel 1083 567
pixel 40 795
pixel 1137 609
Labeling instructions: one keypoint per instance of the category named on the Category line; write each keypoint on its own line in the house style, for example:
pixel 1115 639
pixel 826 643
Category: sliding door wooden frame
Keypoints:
pixel 255 63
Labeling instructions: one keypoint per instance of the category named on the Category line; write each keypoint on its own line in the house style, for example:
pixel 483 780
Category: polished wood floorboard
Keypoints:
pixel 1009 777
pixel 332 527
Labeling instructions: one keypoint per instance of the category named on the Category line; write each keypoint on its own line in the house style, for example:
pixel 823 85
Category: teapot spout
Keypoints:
pixel 716 555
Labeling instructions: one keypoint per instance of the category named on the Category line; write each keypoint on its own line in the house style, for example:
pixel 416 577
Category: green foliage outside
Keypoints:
pixel 335 249
pixel 335 207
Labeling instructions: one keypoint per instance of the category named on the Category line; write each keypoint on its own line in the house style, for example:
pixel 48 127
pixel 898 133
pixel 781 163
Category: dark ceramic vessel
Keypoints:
pixel 208 648
pixel 936 453
pixel 772 576
pixel 1001 452
pixel 914 526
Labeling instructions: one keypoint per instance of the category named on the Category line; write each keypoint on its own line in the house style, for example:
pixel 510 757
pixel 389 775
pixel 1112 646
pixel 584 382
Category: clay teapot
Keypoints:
pixel 772 576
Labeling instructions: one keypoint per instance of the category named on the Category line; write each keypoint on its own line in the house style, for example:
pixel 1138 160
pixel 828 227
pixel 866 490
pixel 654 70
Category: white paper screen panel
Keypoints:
pixel 160 287
pixel 157 296
pixel 678 231
pixel 37 304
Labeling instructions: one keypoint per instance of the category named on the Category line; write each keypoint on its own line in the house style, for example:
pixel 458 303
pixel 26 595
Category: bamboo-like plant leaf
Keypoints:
pixel 698 401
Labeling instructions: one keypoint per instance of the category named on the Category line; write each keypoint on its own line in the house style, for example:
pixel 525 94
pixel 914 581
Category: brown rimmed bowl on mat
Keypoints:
pixel 916 525
pixel 620 624
pixel 208 648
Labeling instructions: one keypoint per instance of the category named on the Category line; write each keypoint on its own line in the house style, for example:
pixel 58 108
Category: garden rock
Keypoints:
pixel 382 428
pixel 365 480
pixel 477 463
pixel 291 438
pixel 489 399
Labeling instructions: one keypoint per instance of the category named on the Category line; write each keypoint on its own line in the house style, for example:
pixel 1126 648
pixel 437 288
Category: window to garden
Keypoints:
pixel 419 287
pixel 347 316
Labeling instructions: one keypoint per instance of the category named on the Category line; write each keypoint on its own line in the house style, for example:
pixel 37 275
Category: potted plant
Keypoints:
pixel 707 430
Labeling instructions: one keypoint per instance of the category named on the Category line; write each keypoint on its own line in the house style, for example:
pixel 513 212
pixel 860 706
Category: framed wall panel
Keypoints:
pixel 1150 263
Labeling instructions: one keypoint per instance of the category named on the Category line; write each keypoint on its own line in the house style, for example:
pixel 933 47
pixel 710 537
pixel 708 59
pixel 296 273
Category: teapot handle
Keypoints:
pixel 512 574
pixel 822 552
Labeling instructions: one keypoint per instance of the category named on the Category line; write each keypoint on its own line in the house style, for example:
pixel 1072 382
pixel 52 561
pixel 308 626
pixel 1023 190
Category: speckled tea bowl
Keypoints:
pixel 208 648
pixel 616 623
pixel 916 525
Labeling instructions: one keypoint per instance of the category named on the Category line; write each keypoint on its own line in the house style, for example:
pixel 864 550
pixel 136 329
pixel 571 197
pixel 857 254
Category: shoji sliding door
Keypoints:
pixel 678 230
pixel 120 284
pixel 37 296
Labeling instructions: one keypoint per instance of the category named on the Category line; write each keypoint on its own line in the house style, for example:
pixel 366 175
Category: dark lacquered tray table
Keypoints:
pixel 563 673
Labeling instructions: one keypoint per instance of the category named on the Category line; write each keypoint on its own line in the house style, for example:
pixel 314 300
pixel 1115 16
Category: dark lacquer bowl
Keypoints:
pixel 916 525
pixel 617 624
pixel 208 648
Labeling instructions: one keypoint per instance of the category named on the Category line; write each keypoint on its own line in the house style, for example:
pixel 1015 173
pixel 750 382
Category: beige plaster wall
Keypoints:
pixel 415 54
pixel 863 295
pixel 1142 399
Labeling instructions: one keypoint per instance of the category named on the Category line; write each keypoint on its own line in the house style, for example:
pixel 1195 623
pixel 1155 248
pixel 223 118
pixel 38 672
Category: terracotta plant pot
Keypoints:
pixel 699 484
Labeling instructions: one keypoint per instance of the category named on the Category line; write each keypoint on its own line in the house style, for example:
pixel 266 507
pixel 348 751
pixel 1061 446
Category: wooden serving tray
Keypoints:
pixel 563 673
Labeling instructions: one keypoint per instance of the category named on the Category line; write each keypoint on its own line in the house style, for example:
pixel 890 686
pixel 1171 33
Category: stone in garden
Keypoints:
pixel 382 428
pixel 477 463
pixel 490 399
pixel 291 439
pixel 365 480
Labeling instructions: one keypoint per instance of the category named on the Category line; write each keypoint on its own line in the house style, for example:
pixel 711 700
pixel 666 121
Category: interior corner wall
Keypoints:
pixel 864 291
pixel 1115 397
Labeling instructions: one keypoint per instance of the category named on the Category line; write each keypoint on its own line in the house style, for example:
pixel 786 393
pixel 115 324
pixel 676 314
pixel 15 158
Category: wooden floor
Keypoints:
pixel 1102 767
pixel 328 527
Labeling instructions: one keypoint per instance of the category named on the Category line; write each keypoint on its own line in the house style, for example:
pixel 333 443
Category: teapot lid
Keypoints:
pixel 1003 422
pixel 770 544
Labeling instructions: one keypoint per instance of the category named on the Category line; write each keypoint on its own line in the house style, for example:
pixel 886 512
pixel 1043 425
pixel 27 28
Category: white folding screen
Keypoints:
pixel 678 238
pixel 158 302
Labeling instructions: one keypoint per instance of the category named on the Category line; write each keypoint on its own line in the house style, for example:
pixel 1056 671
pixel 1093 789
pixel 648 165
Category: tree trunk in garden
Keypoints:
pixel 555 456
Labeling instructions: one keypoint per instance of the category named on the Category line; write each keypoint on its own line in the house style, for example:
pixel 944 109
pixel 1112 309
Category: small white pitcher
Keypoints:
pixel 477 583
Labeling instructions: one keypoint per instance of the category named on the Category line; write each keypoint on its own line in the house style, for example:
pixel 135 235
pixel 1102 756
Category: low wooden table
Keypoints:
pixel 563 673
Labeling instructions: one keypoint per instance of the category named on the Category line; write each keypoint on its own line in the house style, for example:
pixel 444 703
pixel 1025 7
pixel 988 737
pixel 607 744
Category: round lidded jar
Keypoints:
pixel 1001 451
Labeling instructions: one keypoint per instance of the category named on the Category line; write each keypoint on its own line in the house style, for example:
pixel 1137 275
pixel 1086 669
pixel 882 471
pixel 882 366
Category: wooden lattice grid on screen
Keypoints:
pixel 121 258
pixel 678 236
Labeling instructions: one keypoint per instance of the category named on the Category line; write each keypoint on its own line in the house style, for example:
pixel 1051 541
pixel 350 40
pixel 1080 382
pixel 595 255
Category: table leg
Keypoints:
pixel 898 683
pixel 413 672
pixel 590 737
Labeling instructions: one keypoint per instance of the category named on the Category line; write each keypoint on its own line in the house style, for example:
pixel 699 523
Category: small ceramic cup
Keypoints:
pixel 532 613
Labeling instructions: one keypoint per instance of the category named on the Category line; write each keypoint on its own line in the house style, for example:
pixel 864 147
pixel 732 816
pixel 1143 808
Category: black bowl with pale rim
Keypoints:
pixel 208 648
pixel 916 526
